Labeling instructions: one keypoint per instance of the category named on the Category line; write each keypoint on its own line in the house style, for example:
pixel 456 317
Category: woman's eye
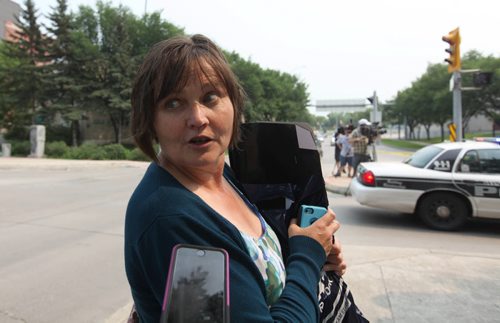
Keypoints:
pixel 211 97
pixel 172 104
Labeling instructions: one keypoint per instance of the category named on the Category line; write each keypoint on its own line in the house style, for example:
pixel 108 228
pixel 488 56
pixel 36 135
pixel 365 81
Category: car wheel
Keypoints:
pixel 443 211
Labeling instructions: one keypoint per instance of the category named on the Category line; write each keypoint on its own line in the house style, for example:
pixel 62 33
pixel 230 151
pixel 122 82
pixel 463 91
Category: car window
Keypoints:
pixel 445 161
pixel 481 161
pixel 489 161
pixel 423 156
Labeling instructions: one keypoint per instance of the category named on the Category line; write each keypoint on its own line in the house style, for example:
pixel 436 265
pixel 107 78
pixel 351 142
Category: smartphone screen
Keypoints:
pixel 197 286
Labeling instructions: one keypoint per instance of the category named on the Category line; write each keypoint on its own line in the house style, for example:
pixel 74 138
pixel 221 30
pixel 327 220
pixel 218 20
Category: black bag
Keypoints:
pixel 280 169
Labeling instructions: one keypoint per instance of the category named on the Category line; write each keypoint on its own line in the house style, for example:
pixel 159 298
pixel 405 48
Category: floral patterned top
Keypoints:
pixel 266 254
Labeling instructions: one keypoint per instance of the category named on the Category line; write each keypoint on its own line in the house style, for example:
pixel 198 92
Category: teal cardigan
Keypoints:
pixel 162 213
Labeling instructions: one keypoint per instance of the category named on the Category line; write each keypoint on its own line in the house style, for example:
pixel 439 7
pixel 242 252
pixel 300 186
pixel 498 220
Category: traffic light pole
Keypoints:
pixel 457 104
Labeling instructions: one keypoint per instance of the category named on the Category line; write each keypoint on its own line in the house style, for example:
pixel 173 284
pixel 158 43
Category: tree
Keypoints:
pixel 486 100
pixel 71 55
pixel 7 100
pixel 272 95
pixel 121 40
pixel 27 48
pixel 149 30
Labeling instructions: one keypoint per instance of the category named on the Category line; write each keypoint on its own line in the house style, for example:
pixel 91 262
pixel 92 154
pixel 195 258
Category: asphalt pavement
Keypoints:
pixel 390 284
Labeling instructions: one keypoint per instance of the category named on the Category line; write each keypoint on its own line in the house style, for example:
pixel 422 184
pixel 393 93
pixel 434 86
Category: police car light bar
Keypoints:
pixel 488 139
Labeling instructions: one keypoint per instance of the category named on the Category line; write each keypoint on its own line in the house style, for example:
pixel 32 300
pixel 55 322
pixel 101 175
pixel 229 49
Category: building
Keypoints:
pixel 8 11
pixel 325 107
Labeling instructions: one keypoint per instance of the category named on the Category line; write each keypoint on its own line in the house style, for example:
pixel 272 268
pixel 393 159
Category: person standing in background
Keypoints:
pixel 340 133
pixel 359 142
pixel 346 153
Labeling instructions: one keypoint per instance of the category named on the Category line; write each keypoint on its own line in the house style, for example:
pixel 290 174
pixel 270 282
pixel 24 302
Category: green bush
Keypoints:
pixel 86 151
pixel 115 151
pixel 59 149
pixel 20 148
pixel 137 154
pixel 56 149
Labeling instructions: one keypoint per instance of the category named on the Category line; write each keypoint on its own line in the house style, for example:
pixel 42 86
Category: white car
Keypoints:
pixel 444 184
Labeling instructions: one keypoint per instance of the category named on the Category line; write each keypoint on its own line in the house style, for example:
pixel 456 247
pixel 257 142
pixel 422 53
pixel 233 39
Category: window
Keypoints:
pixel 470 162
pixel 445 161
pixel 489 160
pixel 423 156
pixel 481 161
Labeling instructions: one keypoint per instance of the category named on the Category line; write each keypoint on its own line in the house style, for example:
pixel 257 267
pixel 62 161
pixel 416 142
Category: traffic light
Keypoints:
pixel 453 38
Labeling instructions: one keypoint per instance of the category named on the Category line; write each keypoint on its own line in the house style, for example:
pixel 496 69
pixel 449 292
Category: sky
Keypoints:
pixel 340 49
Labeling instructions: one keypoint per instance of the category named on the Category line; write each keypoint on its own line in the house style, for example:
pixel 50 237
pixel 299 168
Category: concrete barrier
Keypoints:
pixel 6 150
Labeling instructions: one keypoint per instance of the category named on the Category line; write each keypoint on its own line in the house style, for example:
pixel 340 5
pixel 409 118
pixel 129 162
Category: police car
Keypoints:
pixel 444 184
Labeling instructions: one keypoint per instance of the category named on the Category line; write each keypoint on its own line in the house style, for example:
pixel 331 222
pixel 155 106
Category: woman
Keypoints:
pixel 186 99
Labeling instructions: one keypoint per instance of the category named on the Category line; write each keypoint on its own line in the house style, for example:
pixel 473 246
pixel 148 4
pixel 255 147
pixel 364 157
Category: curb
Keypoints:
pixel 338 189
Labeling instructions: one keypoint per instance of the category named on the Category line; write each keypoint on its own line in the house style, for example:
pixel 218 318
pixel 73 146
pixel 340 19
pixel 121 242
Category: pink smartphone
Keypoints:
pixel 197 287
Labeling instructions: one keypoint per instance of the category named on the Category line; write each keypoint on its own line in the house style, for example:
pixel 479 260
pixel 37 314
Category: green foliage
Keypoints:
pixel 428 101
pixel 137 154
pixel 20 148
pixel 272 95
pixel 56 149
pixel 343 119
pixel 58 133
pixel 115 152
pixel 91 151
pixel 17 133
pixel 86 151
pixel 90 59
pixel 21 82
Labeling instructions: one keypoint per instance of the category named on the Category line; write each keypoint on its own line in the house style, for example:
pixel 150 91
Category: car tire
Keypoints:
pixel 443 211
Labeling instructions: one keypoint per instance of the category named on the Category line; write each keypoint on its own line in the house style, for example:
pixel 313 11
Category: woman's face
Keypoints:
pixel 194 126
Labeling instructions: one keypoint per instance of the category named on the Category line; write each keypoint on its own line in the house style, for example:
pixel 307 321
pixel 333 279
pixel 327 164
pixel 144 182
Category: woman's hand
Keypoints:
pixel 322 230
pixel 335 260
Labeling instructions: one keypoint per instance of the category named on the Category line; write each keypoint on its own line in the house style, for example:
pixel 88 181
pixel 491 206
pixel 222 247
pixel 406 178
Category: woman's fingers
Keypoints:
pixel 321 230
pixel 335 260
pixel 338 269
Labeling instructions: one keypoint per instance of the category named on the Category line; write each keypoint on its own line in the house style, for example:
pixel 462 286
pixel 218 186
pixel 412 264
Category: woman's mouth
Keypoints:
pixel 200 140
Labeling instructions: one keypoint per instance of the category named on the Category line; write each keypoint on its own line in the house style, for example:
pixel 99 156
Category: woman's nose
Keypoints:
pixel 197 116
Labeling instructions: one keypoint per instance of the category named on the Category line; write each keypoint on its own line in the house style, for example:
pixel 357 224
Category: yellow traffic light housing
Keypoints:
pixel 453 38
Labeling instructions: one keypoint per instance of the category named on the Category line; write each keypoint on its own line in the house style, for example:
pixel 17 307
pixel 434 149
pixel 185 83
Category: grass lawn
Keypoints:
pixel 417 144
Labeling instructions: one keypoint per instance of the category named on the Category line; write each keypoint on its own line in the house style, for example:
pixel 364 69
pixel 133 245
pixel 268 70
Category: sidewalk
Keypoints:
pixel 392 281
pixel 338 185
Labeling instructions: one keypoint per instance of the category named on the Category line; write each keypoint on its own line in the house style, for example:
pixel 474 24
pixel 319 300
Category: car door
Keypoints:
pixel 478 173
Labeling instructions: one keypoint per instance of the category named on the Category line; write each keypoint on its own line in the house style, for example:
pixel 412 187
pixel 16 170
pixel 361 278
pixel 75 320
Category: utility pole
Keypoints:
pixel 457 104
pixel 376 115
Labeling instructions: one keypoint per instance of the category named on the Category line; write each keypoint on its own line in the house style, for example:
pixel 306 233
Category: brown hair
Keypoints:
pixel 166 69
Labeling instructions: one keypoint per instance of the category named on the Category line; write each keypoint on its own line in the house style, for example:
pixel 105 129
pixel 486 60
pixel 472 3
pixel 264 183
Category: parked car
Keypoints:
pixel 318 145
pixel 319 136
pixel 444 184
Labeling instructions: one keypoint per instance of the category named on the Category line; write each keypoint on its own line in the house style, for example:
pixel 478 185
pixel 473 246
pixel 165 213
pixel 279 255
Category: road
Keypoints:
pixel 61 242
pixel 401 271
pixel 61 250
